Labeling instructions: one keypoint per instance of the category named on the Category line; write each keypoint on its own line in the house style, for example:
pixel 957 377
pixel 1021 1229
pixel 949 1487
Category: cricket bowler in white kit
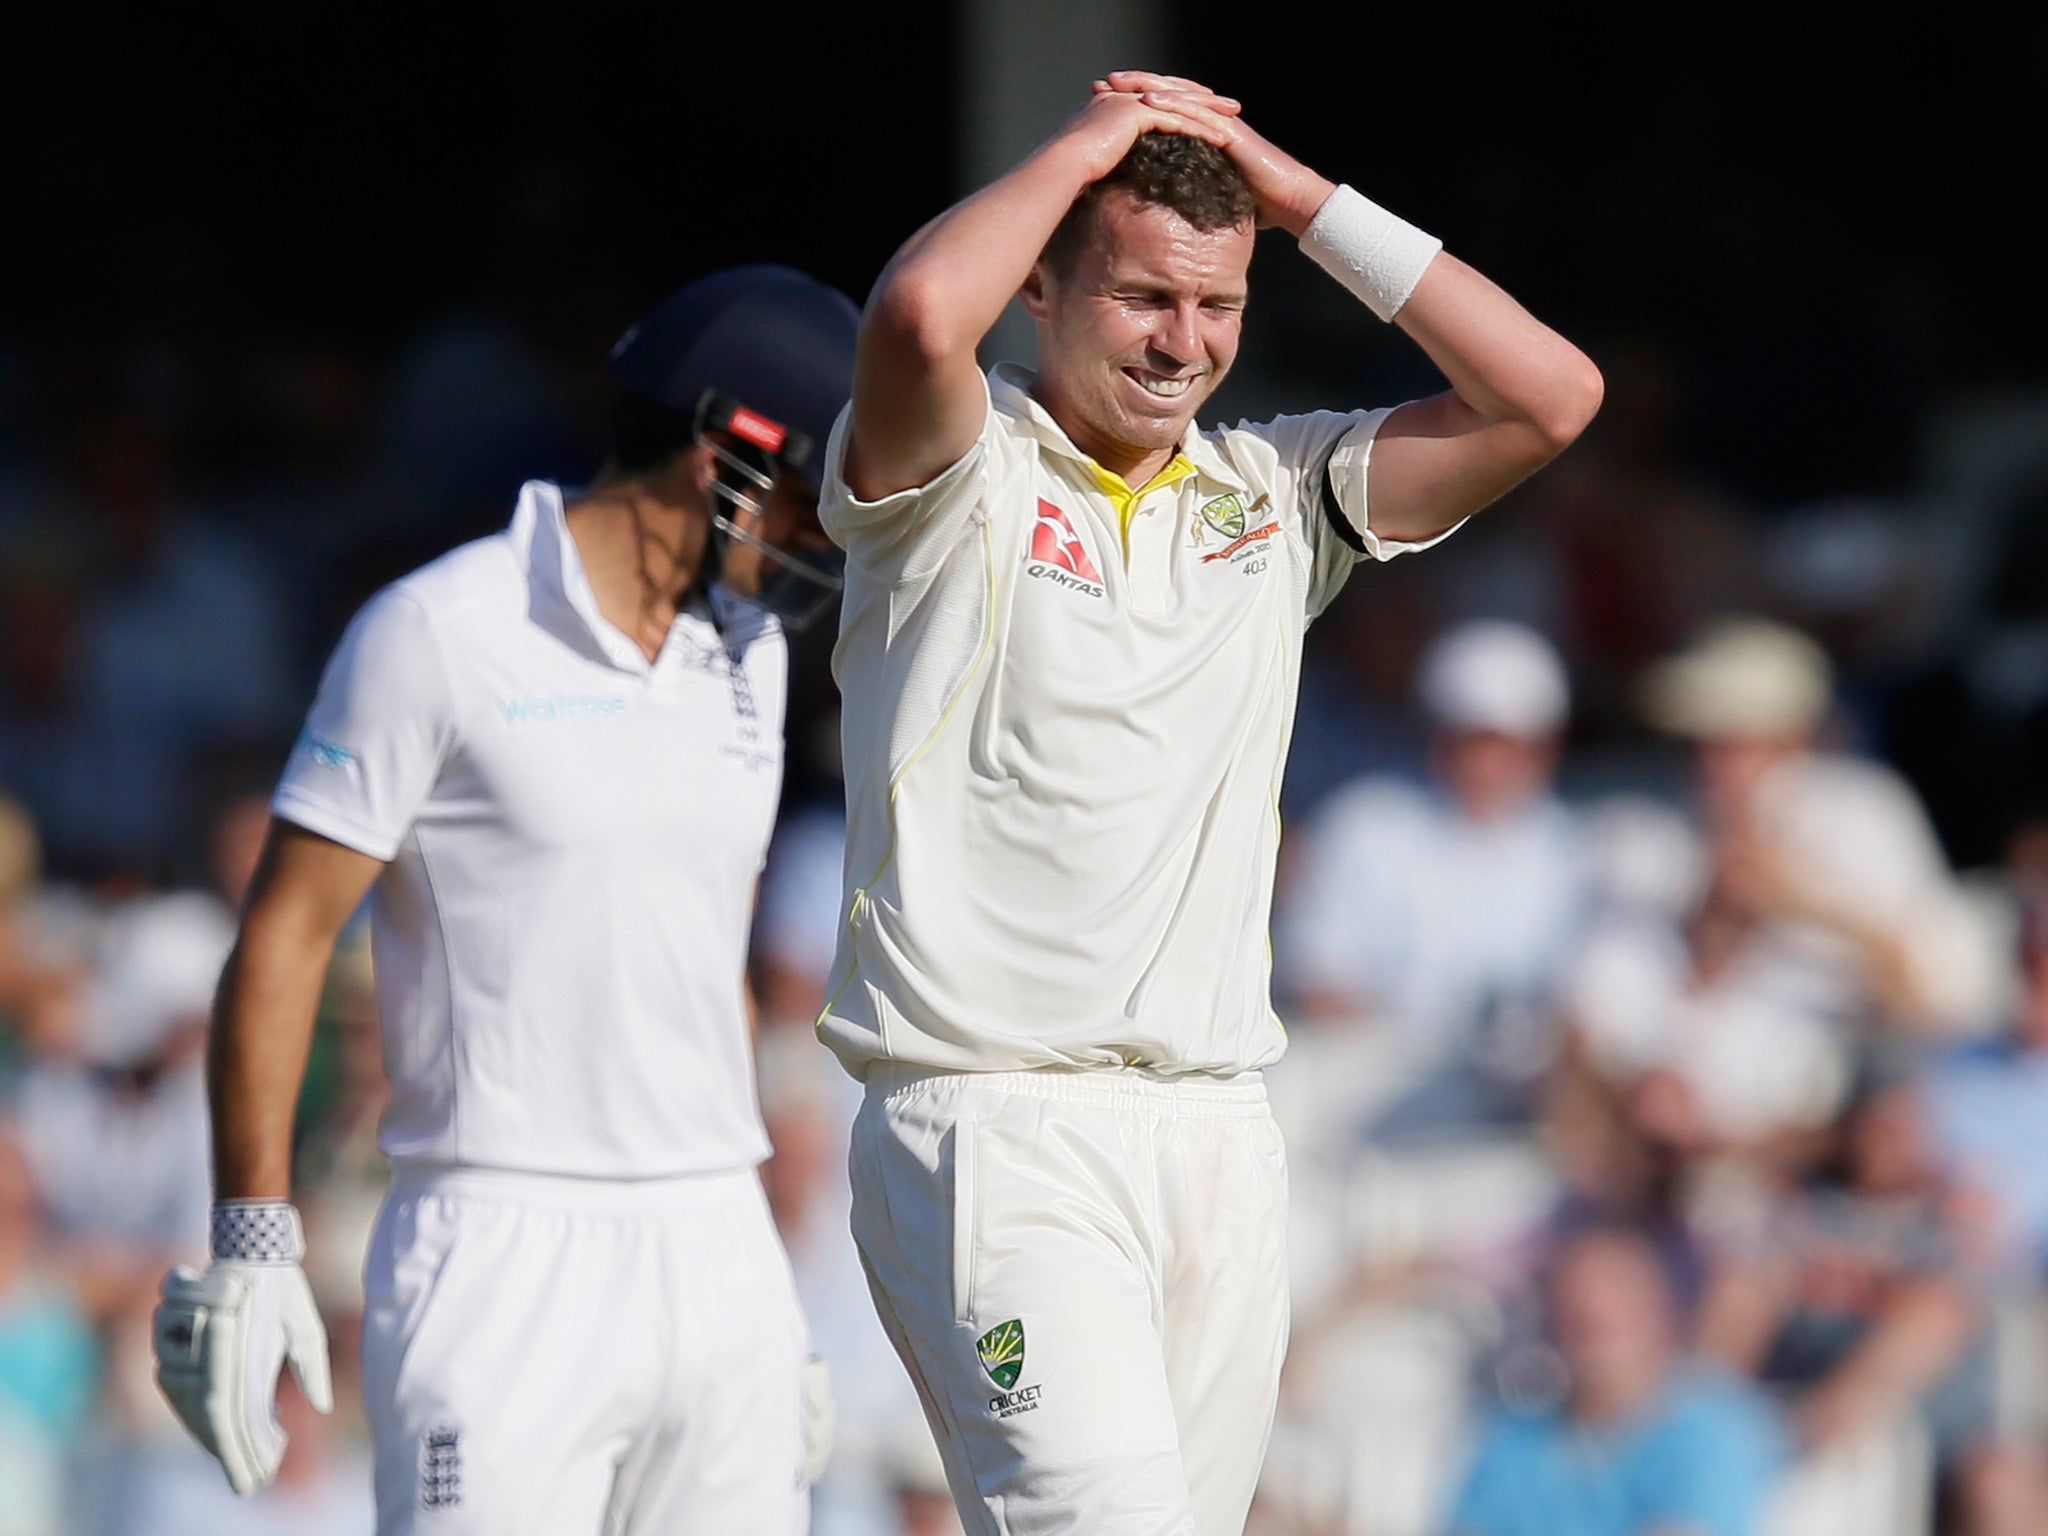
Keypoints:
pixel 1069 651
pixel 553 758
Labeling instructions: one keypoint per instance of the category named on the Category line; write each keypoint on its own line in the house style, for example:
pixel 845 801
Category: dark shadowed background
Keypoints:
pixel 342 278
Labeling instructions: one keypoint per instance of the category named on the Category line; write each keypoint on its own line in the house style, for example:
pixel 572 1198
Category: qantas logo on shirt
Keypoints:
pixel 1058 555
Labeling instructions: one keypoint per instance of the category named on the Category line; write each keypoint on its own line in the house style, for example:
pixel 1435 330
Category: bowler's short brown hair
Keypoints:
pixel 1173 170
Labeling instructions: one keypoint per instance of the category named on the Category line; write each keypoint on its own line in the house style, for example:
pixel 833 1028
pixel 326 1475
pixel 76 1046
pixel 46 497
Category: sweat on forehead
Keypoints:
pixel 1169 170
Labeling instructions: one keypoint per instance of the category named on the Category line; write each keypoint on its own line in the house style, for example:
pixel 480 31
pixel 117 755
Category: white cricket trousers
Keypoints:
pixel 1085 1272
pixel 581 1357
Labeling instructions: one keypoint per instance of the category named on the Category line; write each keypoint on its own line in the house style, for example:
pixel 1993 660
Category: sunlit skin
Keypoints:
pixel 1137 337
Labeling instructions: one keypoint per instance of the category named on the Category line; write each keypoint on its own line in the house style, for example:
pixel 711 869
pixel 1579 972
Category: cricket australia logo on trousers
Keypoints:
pixel 1001 1352
pixel 1058 555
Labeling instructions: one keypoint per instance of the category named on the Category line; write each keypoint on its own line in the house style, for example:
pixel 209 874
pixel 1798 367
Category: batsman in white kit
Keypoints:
pixel 552 758
pixel 1069 649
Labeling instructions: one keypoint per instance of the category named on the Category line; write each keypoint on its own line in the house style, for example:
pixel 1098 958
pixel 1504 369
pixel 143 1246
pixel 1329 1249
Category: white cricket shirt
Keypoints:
pixel 573 837
pixel 1067 710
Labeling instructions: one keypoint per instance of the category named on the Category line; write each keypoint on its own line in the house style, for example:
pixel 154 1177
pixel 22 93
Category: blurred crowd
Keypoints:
pixel 1662 938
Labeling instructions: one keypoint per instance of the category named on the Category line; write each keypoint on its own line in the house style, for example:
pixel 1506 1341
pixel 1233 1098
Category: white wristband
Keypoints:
pixel 1379 257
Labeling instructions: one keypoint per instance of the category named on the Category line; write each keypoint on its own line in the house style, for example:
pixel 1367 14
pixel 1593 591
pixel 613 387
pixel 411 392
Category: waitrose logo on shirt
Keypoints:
pixel 557 708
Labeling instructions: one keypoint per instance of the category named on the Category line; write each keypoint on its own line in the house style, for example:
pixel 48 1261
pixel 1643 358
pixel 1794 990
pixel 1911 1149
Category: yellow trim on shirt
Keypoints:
pixel 1125 499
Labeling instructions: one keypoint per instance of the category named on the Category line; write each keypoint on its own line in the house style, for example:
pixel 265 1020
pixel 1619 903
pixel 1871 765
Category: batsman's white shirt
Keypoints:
pixel 1069 706
pixel 572 836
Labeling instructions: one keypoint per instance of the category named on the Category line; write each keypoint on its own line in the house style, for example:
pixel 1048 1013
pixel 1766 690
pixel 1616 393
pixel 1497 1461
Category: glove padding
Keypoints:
pixel 220 1340
pixel 821 1418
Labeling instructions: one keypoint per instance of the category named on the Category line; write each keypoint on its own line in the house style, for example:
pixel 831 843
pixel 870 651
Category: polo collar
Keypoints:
pixel 1010 390
pixel 562 601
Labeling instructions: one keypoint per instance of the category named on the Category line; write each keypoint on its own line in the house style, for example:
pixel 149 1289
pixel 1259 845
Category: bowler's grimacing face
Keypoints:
pixel 1135 339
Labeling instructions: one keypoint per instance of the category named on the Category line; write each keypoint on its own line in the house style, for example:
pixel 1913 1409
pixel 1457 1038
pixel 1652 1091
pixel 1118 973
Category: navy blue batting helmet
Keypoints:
pixel 764 352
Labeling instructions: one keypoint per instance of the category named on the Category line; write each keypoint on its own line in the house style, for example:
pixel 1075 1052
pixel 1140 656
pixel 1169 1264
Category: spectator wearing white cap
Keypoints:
pixel 1445 911
pixel 1835 851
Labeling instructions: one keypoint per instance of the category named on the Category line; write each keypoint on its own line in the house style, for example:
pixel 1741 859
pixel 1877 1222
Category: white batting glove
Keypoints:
pixel 222 1337
pixel 821 1418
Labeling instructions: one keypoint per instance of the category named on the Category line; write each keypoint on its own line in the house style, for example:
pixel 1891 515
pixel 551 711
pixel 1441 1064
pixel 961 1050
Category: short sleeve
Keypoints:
pixel 376 735
pixel 905 535
pixel 1345 475
pixel 1319 467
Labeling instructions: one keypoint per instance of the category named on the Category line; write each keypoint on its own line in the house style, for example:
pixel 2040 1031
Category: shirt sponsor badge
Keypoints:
pixel 1058 555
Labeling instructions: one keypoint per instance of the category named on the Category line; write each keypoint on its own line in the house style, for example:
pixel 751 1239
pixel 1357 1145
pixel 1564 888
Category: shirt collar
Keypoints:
pixel 562 600
pixel 1010 389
